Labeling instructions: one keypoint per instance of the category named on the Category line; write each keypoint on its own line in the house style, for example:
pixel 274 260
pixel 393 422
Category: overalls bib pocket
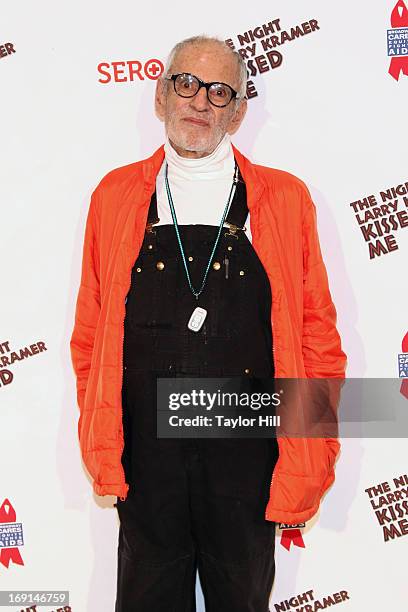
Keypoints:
pixel 151 302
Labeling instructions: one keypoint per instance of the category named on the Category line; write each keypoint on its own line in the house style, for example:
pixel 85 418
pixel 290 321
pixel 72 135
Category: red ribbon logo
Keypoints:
pixel 399 19
pixel 290 536
pixel 8 515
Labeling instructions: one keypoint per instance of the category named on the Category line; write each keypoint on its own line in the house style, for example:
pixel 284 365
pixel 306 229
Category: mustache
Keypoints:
pixel 203 117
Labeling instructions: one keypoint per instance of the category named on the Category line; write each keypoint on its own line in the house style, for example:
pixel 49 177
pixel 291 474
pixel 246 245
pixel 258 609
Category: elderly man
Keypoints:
pixel 198 263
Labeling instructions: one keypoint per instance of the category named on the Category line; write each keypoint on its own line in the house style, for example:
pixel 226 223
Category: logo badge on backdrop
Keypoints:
pixel 309 602
pixel 379 216
pixel 6 49
pixel 397 41
pixel 403 366
pixel 9 357
pixel 11 535
pixel 389 501
pixel 129 71
pixel 261 48
pixel 291 534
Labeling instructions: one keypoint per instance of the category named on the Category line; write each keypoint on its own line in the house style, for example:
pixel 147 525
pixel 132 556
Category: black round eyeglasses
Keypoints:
pixel 188 85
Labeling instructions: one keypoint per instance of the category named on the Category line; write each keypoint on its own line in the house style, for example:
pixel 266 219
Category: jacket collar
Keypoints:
pixel 254 184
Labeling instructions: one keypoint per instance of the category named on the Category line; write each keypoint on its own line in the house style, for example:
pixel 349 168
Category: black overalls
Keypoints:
pixel 194 503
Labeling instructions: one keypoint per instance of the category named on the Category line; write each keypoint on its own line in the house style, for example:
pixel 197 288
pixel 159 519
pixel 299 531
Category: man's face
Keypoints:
pixel 195 126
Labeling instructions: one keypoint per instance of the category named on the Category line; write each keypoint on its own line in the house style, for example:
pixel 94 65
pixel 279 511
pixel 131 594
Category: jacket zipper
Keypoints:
pixel 274 372
pixel 121 359
pixel 273 339
pixel 273 349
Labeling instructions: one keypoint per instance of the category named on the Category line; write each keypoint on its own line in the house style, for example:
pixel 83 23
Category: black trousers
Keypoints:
pixel 197 504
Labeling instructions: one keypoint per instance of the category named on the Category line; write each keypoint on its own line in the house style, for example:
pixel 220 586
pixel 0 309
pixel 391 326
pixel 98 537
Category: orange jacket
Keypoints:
pixel 305 338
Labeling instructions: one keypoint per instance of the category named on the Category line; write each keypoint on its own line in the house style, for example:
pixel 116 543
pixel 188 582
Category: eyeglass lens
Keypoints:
pixel 187 86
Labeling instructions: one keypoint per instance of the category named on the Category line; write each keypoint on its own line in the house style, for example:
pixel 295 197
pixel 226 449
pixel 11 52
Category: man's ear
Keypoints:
pixel 160 98
pixel 237 117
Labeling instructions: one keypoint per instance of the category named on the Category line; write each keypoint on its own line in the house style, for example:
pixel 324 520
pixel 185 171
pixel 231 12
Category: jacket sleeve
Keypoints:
pixel 321 344
pixel 88 303
pixel 322 353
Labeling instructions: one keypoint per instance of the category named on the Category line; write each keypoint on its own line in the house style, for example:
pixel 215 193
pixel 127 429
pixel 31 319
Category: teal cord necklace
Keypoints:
pixel 197 318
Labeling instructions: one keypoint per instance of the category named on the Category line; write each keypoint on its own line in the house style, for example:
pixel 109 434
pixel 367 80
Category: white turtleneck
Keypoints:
pixel 199 187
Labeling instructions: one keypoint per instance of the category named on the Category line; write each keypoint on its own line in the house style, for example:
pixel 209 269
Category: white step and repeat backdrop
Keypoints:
pixel 328 102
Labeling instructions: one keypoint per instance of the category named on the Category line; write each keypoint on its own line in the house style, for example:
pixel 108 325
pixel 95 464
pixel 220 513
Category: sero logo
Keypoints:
pixel 131 70
pixel 11 535
pixel 397 41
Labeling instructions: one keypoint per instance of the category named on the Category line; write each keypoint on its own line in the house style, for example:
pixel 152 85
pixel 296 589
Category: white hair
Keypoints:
pixel 203 39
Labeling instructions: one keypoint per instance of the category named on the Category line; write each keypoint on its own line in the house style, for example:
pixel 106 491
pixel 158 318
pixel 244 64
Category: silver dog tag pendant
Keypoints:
pixel 197 319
